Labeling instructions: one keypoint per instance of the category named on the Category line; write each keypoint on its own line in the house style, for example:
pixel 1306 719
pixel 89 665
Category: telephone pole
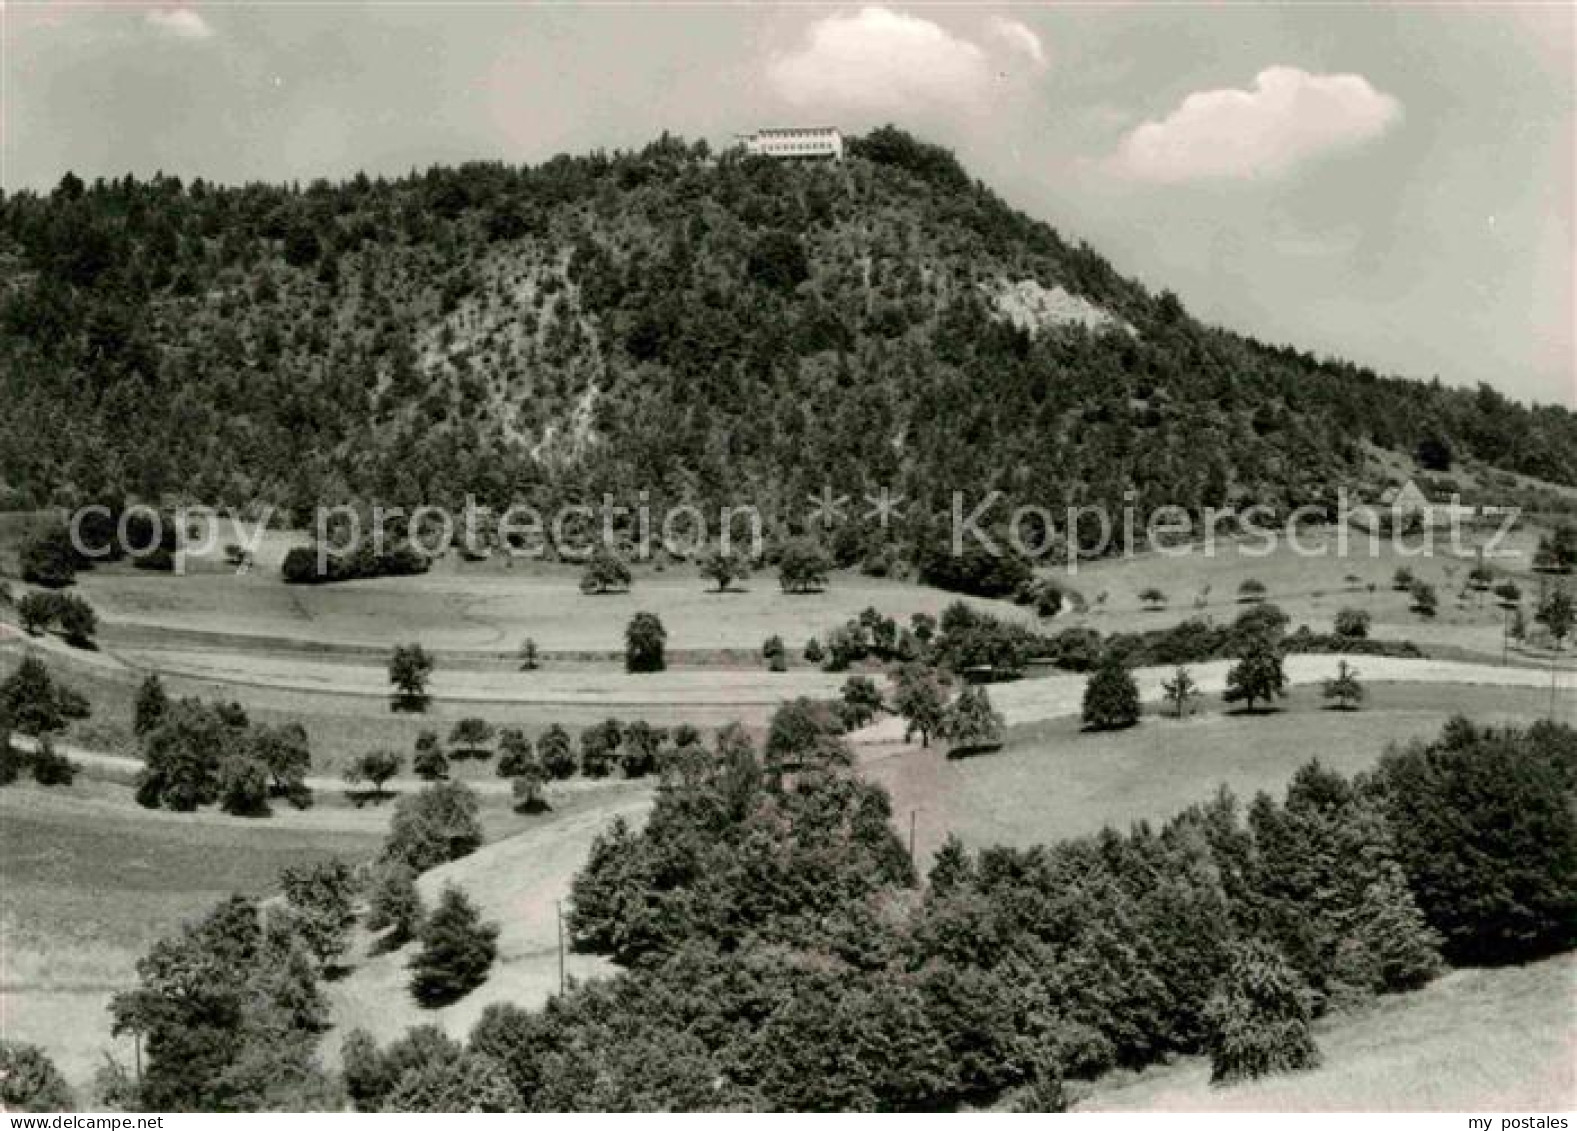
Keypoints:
pixel 559 904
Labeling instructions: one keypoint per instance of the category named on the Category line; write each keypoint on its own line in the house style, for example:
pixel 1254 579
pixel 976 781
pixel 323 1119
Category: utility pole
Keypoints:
pixel 559 904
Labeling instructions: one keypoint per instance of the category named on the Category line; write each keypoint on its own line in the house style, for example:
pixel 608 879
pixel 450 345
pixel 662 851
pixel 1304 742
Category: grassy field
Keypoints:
pixel 1309 586
pixel 1475 1040
pixel 1051 780
pixel 348 712
pixel 489 607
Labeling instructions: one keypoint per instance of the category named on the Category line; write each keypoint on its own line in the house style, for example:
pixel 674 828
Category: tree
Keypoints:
pixel 1402 580
pixel 1259 1020
pixel 1352 624
pixel 394 904
pixel 803 566
pixel 861 701
pixel 243 786
pixel 529 658
pixel 410 667
pixel 1508 592
pixel 470 738
pixel 813 652
pixel 436 824
pixel 457 951
pixel 151 706
pixel 78 622
pixel 1111 697
pixel 1486 833
pixel 920 701
pixel 1252 591
pixel 527 789
pixel 30 699
pixel 515 753
pixel 1401 951
pixel 374 767
pixel 599 748
pixel 1345 689
pixel 49 561
pixel 50 767
pixel 775 654
pixel 29 1080
pixel 1153 598
pixel 645 640
pixel 1257 677
pixel 36 611
pixel 322 897
pixel 605 571
pixel 558 756
pixel 1555 612
pixel 724 568
pixel 286 755
pixel 1180 691
pixel 971 723
pixel 429 762
pixel 182 758
pixel 642 746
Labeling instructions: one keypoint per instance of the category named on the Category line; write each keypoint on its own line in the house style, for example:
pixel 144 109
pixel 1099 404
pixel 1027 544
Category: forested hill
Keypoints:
pixel 704 327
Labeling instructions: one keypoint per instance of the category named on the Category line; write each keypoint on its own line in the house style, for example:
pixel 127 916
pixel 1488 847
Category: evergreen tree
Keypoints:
pixel 1403 948
pixel 1259 1019
pixel 457 951
pixel 152 703
pixel 1111 697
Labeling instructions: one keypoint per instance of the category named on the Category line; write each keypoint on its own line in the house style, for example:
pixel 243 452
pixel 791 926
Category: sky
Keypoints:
pixel 1388 184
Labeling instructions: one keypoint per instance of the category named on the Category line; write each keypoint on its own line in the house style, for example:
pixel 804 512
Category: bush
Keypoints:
pixel 457 951
pixel 1259 1019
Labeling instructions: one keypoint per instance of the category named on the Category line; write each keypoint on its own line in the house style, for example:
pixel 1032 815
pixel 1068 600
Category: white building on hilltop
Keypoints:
pixel 810 143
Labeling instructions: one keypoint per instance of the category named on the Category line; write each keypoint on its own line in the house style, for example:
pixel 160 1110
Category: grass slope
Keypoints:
pixel 1475 1040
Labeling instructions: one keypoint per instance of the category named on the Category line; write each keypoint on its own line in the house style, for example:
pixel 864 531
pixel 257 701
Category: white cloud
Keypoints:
pixel 182 23
pixel 1288 117
pixel 1019 37
pixel 880 60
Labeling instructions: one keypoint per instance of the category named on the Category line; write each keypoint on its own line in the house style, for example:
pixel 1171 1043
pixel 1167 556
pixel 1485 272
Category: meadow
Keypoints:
pixel 1051 780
